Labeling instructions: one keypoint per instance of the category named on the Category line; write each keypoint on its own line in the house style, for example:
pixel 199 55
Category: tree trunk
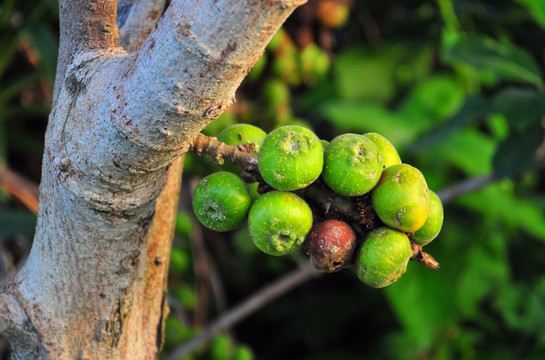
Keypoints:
pixel 94 284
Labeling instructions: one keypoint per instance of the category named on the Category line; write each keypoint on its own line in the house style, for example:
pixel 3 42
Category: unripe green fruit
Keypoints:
pixel 352 165
pixel 290 158
pixel 325 144
pixel 279 222
pixel 388 151
pixel 433 224
pixel 401 198
pixel 383 257
pixel 221 201
pixel 242 134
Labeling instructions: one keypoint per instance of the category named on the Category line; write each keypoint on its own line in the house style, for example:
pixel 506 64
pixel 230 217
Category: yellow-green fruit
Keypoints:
pixel 401 198
pixel 433 224
pixel 279 222
pixel 241 134
pixel 388 151
pixel 290 158
pixel 383 257
pixel 352 165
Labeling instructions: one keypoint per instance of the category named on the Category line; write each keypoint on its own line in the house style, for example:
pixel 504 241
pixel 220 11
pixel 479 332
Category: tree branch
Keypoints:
pixel 136 19
pixel 242 310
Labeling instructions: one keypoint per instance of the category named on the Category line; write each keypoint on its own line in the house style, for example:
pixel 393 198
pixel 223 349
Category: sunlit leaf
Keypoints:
pixel 505 60
pixel 536 9
pixel 475 109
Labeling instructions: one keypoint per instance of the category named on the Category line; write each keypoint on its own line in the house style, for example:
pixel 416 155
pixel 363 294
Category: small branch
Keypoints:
pixel 243 310
pixel 465 186
pixel 136 19
pixel 475 183
pixel 21 188
pixel 219 151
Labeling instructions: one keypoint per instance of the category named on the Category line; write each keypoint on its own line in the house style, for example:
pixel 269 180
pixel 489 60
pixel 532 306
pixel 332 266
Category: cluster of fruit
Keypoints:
pixel 407 215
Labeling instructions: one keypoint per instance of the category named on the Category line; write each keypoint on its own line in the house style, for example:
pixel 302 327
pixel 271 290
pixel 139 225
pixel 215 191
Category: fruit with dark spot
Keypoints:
pixel 383 257
pixel 401 198
pixel 279 222
pixel 242 134
pixel 388 151
pixel 352 165
pixel 331 245
pixel 221 201
pixel 290 158
pixel 433 224
pixel 246 135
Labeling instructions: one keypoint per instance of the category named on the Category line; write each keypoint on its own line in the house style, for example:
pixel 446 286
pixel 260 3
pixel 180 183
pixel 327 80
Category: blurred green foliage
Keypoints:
pixel 456 85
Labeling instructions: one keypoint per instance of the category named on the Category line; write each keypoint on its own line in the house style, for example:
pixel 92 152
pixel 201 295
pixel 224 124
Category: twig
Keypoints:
pixel 20 187
pixel 475 183
pixel 465 186
pixel 241 311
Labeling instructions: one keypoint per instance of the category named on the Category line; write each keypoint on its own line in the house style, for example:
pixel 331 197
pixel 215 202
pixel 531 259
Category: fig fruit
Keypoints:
pixel 221 201
pixel 352 165
pixel 401 198
pixel 331 245
pixel 388 151
pixel 433 224
pixel 279 222
pixel 242 134
pixel 383 257
pixel 290 158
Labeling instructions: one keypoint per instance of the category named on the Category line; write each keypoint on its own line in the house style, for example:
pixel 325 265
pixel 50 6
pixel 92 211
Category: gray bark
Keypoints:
pixel 120 118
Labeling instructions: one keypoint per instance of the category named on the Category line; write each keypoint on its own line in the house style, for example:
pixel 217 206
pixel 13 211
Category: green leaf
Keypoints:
pixel 474 109
pixel 499 203
pixel 468 150
pixel 360 74
pixel 433 99
pixel 536 8
pixel 503 59
pixel 516 152
pixel 521 107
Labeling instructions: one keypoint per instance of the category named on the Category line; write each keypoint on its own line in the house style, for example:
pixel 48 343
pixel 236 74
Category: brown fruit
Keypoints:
pixel 331 245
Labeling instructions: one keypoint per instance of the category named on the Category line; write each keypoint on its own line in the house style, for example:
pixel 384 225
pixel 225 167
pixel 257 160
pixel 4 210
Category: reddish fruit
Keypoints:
pixel 331 245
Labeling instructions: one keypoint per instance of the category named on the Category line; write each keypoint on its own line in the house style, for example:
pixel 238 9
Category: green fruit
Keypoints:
pixel 433 224
pixel 290 158
pixel 222 348
pixel 279 222
pixel 401 198
pixel 383 257
pixel 388 151
pixel 325 144
pixel 242 134
pixel 352 165
pixel 221 201
pixel 243 353
pixel 314 62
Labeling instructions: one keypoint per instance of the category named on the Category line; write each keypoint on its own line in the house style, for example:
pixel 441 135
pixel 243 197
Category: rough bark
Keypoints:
pixel 119 120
